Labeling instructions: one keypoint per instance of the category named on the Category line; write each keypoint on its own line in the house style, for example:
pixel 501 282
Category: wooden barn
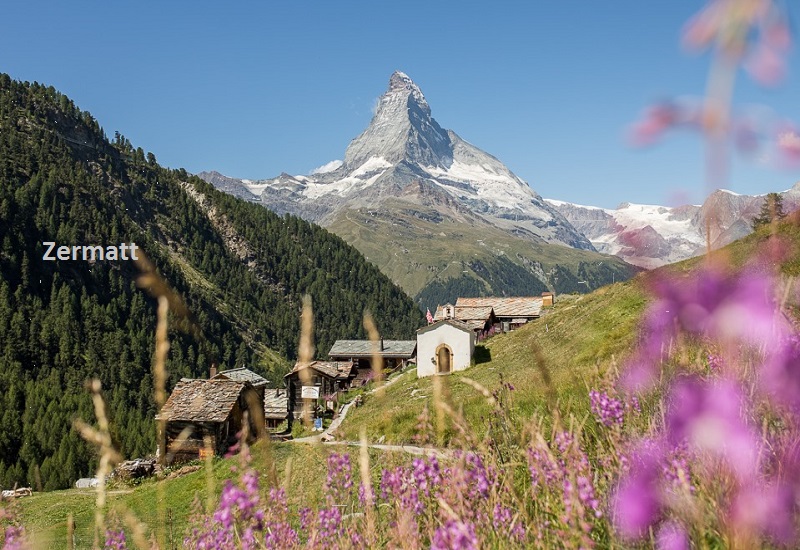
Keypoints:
pixel 396 354
pixel 213 408
pixel 507 313
pixel 276 407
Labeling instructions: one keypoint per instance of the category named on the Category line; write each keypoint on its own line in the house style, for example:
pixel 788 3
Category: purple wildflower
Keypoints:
pixel 709 304
pixel 454 535
pixel 769 510
pixel 340 478
pixel 278 531
pixel 714 362
pixel 780 376
pixel 330 523
pixel 362 495
pixel 398 485
pixel 115 539
pixel 709 417
pixel 609 410
pixel 306 518
pixel 675 468
pixel 238 503
pixel 542 467
pixel 637 502
pixel 586 495
pixel 479 477
pixel 426 474
pixel 506 524
pixel 14 538
pixel 672 536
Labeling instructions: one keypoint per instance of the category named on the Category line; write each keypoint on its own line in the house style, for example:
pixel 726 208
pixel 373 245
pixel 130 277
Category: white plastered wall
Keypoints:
pixel 460 342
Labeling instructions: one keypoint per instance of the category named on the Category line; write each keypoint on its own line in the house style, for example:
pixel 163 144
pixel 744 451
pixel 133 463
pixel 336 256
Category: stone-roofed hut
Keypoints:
pixel 396 354
pixel 276 407
pixel 242 374
pixel 481 319
pixel 213 408
pixel 510 313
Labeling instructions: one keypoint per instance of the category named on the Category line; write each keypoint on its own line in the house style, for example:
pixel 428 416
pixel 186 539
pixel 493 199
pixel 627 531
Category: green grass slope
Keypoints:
pixel 581 337
pixel 572 344
pixel 435 257
pixel 566 346
pixel 165 507
pixel 579 334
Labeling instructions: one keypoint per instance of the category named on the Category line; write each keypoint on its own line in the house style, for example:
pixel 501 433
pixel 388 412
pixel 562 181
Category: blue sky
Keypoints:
pixel 253 89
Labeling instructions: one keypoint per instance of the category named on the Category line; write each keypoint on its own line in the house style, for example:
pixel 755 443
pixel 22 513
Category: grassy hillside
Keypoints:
pixel 437 258
pixel 570 344
pixel 164 507
pixel 582 334
pixel 575 342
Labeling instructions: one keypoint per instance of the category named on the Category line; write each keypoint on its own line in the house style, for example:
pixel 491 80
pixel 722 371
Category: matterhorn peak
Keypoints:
pixel 401 83
pixel 401 130
pixel 404 155
pixel 400 80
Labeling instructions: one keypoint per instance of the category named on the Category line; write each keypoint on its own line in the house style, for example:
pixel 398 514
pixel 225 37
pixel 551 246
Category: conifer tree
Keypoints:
pixel 771 210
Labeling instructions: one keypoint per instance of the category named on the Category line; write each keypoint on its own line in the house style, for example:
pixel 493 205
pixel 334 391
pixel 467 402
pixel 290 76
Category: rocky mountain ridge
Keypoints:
pixel 650 236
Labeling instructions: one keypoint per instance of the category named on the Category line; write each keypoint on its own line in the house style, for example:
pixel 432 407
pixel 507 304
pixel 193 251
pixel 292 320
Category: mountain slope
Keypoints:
pixel 573 344
pixel 240 270
pixel 410 172
pixel 652 236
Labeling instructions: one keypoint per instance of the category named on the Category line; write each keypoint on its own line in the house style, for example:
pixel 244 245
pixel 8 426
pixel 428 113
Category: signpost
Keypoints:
pixel 309 392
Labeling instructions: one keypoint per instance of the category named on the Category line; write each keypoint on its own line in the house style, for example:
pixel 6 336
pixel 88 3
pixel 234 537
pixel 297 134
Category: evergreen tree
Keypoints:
pixel 771 210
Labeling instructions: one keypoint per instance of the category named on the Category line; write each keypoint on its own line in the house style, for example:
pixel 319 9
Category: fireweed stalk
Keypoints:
pixel 730 422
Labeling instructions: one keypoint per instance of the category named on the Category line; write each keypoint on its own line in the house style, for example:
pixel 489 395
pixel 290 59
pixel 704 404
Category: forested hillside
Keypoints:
pixel 240 270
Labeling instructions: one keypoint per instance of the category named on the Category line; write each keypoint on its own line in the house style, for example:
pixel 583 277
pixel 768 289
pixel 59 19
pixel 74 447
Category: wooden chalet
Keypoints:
pixel 200 408
pixel 509 313
pixel 276 407
pixel 396 354
pixel 315 382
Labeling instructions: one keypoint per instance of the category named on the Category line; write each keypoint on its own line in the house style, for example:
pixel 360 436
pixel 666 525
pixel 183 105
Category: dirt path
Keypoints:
pixel 410 449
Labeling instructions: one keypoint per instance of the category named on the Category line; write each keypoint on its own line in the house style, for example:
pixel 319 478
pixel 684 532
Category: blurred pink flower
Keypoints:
pixel 780 374
pixel 788 144
pixel 672 536
pixel 709 304
pixel 637 502
pixel 710 416
pixel 738 28
pixel 657 119
pixel 767 510
pixel 766 65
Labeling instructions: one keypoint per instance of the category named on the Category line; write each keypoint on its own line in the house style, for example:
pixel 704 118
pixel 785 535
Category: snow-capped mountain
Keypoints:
pixel 651 236
pixel 405 154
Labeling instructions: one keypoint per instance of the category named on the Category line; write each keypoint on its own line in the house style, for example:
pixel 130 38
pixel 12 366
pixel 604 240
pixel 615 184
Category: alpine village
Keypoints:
pixel 406 348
